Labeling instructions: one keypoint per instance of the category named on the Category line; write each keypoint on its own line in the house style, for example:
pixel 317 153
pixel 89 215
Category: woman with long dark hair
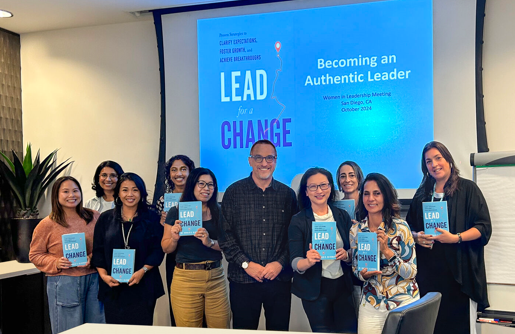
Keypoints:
pixel 72 290
pixel 350 177
pixel 452 262
pixel 199 270
pixel 394 284
pixel 177 169
pixel 130 225
pixel 325 286
pixel 104 182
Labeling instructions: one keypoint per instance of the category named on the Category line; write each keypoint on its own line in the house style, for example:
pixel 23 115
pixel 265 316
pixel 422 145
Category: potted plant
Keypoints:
pixel 28 181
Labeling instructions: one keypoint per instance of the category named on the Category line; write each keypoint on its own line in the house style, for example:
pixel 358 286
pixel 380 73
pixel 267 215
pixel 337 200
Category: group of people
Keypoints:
pixel 264 230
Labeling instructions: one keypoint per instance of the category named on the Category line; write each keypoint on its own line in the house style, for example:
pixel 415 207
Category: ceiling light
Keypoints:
pixel 6 14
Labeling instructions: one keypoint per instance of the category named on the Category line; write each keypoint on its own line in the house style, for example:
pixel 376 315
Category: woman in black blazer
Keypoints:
pixel 325 286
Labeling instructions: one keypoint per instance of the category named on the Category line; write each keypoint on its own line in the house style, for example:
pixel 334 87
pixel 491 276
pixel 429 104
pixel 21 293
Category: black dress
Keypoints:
pixel 455 270
pixel 126 304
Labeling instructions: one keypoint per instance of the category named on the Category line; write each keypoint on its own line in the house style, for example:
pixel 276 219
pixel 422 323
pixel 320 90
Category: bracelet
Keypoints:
pixel 459 237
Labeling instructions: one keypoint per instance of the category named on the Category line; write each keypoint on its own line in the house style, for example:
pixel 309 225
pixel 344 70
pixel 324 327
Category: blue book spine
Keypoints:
pixel 347 205
pixel 190 214
pixel 324 239
pixel 123 264
pixel 368 251
pixel 171 200
pixel 435 216
pixel 74 248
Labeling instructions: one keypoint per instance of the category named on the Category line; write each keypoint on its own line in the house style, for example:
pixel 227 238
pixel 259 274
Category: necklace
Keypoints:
pixel 127 219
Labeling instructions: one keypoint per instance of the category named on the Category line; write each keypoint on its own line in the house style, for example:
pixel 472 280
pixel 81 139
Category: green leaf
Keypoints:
pixel 9 162
pixel 27 161
pixel 29 180
pixel 53 175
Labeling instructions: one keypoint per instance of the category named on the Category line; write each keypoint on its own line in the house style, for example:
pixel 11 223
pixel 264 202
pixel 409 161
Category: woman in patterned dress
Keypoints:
pixel 394 284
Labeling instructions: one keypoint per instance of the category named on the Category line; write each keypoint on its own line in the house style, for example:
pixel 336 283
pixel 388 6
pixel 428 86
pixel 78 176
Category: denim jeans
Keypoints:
pixel 73 301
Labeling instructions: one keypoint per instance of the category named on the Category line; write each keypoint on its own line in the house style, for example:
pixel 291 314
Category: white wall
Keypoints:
pixel 499 89
pixel 94 93
pixel 499 74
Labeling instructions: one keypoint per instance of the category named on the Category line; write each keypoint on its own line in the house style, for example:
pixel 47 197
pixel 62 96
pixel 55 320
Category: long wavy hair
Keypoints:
pixel 57 213
pixel 357 171
pixel 428 182
pixel 170 186
pixel 302 198
pixel 391 207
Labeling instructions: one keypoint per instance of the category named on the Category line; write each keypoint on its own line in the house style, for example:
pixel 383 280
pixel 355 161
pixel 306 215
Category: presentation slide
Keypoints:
pixel 325 85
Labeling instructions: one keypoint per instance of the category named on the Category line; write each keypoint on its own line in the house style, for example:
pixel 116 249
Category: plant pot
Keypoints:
pixel 21 230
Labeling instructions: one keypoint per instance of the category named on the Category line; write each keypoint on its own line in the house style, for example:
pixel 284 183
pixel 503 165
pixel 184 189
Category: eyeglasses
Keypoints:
pixel 111 176
pixel 202 185
pixel 268 158
pixel 322 186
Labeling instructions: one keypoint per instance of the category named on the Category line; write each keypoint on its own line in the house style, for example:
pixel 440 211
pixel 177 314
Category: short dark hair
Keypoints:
pixel 57 213
pixel 99 192
pixel 303 200
pixel 187 161
pixel 357 171
pixel 188 195
pixel 391 207
pixel 428 181
pixel 265 142
pixel 143 205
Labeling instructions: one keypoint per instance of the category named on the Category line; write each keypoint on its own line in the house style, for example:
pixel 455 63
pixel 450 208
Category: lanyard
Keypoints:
pixel 126 240
pixel 433 194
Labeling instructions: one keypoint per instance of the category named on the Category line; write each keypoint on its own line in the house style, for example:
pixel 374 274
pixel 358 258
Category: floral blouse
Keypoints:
pixel 396 283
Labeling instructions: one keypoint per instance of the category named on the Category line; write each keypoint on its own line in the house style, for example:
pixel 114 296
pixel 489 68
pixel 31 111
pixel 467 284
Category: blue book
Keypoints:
pixel 74 248
pixel 123 264
pixel 171 200
pixel 347 205
pixel 435 215
pixel 368 251
pixel 324 239
pixel 190 214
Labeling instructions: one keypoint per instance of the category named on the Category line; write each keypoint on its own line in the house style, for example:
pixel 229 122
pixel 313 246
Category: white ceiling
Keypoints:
pixel 40 15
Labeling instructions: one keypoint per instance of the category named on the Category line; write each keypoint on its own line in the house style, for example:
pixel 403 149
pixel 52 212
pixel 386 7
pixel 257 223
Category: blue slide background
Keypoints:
pixel 388 138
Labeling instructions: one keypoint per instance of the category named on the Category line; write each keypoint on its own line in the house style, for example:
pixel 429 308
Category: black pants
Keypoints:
pixel 333 310
pixel 247 299
pixel 125 310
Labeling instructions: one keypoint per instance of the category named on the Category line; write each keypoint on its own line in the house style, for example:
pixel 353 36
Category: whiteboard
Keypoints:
pixel 498 187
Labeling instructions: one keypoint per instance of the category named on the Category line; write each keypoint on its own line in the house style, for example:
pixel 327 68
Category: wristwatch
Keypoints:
pixel 145 269
pixel 212 243
pixel 245 265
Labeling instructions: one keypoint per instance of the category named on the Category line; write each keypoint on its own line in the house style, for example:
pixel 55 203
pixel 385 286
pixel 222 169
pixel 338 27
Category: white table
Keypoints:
pixel 131 329
pixel 14 268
